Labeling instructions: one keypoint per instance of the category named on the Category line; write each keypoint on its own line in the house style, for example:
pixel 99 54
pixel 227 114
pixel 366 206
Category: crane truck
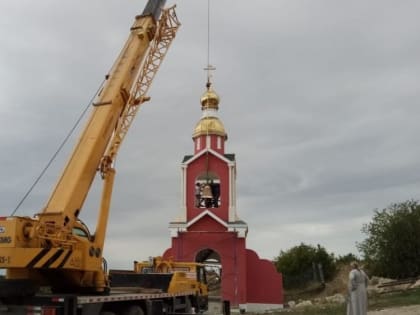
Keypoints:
pixel 53 264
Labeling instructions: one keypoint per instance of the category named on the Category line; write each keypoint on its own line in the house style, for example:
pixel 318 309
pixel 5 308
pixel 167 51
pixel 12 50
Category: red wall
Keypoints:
pixel 206 224
pixel 245 277
pixel 213 144
pixel 265 283
pixel 231 251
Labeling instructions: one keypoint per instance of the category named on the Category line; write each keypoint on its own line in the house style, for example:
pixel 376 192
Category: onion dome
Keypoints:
pixel 209 124
pixel 210 100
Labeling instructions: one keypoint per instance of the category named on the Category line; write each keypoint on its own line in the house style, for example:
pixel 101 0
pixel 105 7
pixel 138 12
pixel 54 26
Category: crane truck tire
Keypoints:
pixel 133 310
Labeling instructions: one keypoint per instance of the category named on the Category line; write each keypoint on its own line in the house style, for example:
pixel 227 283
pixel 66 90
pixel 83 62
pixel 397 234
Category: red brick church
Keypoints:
pixel 209 227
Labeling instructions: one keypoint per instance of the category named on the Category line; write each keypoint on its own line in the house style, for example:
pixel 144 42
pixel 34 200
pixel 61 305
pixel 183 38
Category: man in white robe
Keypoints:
pixel 358 282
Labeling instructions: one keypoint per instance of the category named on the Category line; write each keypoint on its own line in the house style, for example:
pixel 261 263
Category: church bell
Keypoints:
pixel 207 192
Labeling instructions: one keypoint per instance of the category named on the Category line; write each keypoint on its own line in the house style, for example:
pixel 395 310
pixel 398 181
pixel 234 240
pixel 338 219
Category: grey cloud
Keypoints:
pixel 319 99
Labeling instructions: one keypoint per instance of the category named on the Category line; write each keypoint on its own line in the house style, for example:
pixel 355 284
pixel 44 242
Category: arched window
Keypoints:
pixel 207 191
pixel 198 143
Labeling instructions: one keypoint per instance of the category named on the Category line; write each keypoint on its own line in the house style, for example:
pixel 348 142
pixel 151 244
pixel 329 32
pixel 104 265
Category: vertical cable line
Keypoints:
pixel 208 88
pixel 209 67
pixel 208 39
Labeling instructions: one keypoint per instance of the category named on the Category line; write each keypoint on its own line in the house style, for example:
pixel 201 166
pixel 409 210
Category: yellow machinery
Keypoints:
pixel 188 275
pixel 165 276
pixel 54 248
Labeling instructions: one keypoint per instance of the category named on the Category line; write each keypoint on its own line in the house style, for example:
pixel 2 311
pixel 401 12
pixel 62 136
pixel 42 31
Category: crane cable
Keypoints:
pixel 208 37
pixel 66 138
pixel 208 88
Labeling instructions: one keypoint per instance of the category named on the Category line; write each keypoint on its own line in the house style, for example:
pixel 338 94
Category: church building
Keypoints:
pixel 209 228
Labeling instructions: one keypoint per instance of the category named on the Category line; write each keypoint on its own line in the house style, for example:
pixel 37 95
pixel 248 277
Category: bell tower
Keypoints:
pixel 208 225
pixel 208 176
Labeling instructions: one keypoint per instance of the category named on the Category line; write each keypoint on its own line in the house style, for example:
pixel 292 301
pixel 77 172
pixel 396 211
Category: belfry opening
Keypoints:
pixel 208 228
pixel 207 191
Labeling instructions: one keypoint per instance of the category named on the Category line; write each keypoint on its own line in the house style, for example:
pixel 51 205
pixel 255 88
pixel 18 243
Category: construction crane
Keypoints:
pixel 54 249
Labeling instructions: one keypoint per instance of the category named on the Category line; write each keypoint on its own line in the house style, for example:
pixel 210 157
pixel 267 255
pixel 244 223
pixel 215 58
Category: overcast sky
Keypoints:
pixel 320 100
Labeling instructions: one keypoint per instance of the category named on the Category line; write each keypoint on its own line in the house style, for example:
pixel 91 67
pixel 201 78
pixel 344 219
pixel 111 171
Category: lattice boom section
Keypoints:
pixel 167 28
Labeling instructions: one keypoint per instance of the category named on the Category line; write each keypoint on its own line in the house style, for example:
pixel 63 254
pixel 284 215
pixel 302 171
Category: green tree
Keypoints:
pixel 346 259
pixel 297 264
pixel 392 246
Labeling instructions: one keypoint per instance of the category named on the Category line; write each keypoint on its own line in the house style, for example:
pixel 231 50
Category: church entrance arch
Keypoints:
pixel 213 265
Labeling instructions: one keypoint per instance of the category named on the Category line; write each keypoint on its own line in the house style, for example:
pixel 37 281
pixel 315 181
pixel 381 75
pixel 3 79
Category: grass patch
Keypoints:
pixel 409 297
pixel 386 300
pixel 336 309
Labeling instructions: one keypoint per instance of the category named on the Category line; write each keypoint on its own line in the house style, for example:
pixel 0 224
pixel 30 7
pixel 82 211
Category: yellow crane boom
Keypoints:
pixel 54 248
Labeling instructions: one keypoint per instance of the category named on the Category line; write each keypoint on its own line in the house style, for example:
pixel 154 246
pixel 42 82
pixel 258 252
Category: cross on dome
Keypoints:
pixel 209 100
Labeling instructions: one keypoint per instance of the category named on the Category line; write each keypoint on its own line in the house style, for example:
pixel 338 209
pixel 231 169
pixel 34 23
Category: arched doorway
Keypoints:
pixel 211 259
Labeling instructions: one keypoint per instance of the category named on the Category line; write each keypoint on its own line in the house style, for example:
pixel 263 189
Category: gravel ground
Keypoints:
pixel 404 310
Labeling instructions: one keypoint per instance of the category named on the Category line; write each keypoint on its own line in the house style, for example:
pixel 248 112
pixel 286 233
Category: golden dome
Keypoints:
pixel 210 99
pixel 209 125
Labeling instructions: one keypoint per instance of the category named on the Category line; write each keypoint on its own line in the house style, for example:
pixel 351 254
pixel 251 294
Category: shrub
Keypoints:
pixel 301 265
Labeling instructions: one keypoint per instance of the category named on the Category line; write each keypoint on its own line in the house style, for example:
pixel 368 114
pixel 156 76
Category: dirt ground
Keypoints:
pixel 404 310
pixel 339 285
